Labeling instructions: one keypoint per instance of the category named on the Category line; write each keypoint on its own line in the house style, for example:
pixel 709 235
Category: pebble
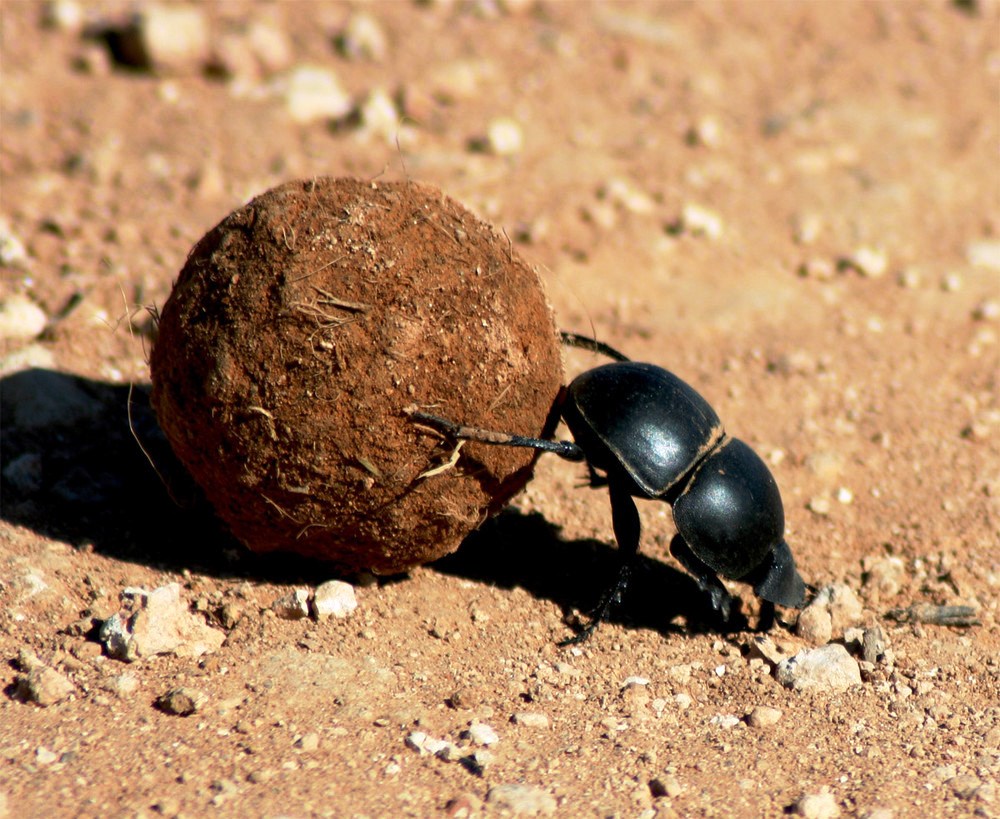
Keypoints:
pixel 31 356
pixel 483 734
pixel 522 799
pixel 815 625
pixel 182 702
pixel 308 742
pixel 820 805
pixel 829 667
pixel 64 15
pixel 166 38
pixel 504 136
pixel 121 685
pixel 984 253
pixel 43 686
pixel 157 622
pixel 628 195
pixel 883 575
pixel 363 37
pixel 24 473
pixel 530 719
pixel 964 786
pixel 763 716
pixel 20 318
pixel 379 117
pixel 314 93
pixel 12 250
pixel 335 598
pixel 988 310
pixel 701 221
pixel 292 606
pixel 872 644
pixel 725 721
pixel 871 262
pixel 35 398
pixel 44 756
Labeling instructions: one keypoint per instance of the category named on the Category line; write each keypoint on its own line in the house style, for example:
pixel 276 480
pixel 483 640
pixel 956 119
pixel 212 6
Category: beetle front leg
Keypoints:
pixel 707 580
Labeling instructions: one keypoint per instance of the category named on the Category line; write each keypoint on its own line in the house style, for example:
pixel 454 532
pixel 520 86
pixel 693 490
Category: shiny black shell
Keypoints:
pixel 641 419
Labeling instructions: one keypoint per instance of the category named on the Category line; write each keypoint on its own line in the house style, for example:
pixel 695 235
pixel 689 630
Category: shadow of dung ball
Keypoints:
pixel 297 334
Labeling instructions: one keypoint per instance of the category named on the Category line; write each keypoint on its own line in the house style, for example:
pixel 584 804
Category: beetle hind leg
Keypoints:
pixel 721 600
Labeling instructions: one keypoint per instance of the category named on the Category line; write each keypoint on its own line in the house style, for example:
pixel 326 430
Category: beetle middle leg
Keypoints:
pixel 625 521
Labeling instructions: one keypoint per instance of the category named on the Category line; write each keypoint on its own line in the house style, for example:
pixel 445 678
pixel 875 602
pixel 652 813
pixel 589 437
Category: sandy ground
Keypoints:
pixel 792 206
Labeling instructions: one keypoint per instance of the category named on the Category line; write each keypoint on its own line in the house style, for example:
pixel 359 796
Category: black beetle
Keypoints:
pixel 653 436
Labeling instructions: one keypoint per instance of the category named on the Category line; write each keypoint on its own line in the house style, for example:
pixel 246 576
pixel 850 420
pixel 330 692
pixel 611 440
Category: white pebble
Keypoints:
pixel 985 253
pixel 829 667
pixel 483 734
pixel 334 598
pixel 379 117
pixel 363 37
pixel 314 93
pixel 20 318
pixel 701 221
pixel 530 719
pixel 869 261
pixel 504 136
pixel 12 250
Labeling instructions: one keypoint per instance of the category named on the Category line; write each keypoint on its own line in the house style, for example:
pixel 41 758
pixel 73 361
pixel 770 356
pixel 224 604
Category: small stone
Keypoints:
pixel 725 721
pixel 530 719
pixel 64 15
pixel 819 505
pixel 871 262
pixel 43 686
pixel 820 805
pixel 44 756
pixel 522 799
pixel 379 117
pixel 313 93
pixel 166 38
pixel 883 575
pixel 701 221
pixel 24 473
pixel 121 685
pixel 335 598
pixel 763 716
pixel 504 136
pixel 829 667
pixel 463 806
pixel 821 269
pixel 845 608
pixel 20 318
pixel 362 37
pixel 157 622
pixel 308 742
pixel 984 253
pixel 33 399
pixel 872 644
pixel 815 625
pixel 628 195
pixel 29 357
pixel 763 646
pixel 292 606
pixel 12 250
pixel 965 785
pixel 988 310
pixel 182 702
pixel 482 734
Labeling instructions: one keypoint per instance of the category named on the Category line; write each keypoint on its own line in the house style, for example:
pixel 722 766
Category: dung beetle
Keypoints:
pixel 643 432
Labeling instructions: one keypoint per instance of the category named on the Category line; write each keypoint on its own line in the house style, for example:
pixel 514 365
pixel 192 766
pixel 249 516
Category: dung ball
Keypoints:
pixel 300 332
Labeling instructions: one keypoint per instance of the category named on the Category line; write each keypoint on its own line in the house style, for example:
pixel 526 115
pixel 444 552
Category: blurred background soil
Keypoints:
pixel 793 206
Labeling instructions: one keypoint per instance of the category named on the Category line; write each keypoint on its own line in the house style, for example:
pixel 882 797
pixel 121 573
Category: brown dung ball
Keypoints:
pixel 301 329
